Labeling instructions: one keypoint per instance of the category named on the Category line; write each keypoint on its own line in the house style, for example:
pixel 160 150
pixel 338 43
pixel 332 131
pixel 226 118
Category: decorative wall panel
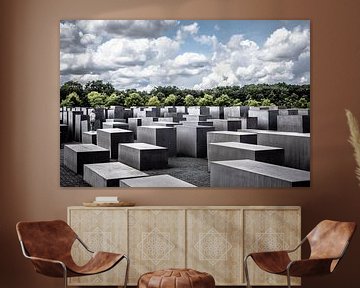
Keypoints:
pixel 208 239
pixel 101 230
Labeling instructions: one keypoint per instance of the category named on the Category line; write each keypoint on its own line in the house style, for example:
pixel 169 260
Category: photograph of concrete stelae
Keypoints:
pixel 175 103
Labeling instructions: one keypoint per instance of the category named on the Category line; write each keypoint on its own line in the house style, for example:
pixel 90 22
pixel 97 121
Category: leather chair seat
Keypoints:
pixel 176 278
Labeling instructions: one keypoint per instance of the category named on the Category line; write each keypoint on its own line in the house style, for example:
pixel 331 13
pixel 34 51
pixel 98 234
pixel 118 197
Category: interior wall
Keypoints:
pixel 29 144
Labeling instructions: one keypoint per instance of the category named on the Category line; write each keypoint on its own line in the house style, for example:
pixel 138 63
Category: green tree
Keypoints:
pixel 223 100
pixel 170 100
pixel 207 100
pixel 72 100
pixel 153 101
pixel 134 99
pixel 112 100
pixel 96 99
pixel 302 103
pixel 253 103
pixel 266 102
pixel 69 87
pixel 237 102
pixel 99 86
pixel 189 100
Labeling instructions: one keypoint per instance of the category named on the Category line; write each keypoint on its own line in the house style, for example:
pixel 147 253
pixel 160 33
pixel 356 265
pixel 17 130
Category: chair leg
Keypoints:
pixel 246 270
pixel 288 278
pixel 127 271
pixel 65 276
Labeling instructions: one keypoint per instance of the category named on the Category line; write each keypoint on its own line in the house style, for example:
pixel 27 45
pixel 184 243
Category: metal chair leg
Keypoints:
pixel 246 270
pixel 65 275
pixel 288 278
pixel 127 271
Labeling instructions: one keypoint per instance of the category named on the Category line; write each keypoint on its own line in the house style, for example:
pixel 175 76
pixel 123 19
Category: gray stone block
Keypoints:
pixel 249 123
pixel 78 126
pixel 294 123
pixel 304 111
pixel 159 136
pixel 89 137
pixel 120 125
pixel 197 123
pixel 236 112
pixel 197 117
pixel 284 112
pixel 198 110
pixel 143 156
pixel 226 124
pixel 155 181
pixel 109 174
pixel 116 120
pixel 191 140
pixel 249 173
pixel 147 121
pixel 133 124
pixel 231 136
pixel 166 124
pixel 63 133
pixel 237 151
pixel 216 112
pixel 76 155
pixel 295 145
pixel 266 119
pixel 110 139
pixel 116 112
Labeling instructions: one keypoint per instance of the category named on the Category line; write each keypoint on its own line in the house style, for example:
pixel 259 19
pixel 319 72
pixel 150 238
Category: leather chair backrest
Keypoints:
pixel 46 239
pixel 329 239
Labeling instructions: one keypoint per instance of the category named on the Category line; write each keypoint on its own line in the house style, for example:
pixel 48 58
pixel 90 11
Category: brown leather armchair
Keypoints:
pixel 48 245
pixel 328 242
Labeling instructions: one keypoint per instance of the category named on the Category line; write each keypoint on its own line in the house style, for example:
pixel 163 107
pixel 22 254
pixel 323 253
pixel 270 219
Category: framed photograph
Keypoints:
pixel 185 103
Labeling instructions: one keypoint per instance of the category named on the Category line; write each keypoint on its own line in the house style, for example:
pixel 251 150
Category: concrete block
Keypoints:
pixel 120 125
pixel 116 112
pixel 198 110
pixel 166 124
pixel 143 156
pixel 295 145
pixel 133 124
pixel 76 155
pixel 155 181
pixel 254 174
pixel 147 121
pixel 249 123
pixel 216 112
pixel 78 126
pixel 266 119
pixel 89 137
pixel 294 123
pixel 110 138
pixel 159 136
pixel 197 123
pixel 63 133
pixel 109 174
pixel 226 124
pixel 236 112
pixel 231 136
pixel 116 120
pixel 191 140
pixel 237 151
pixel 284 112
pixel 197 117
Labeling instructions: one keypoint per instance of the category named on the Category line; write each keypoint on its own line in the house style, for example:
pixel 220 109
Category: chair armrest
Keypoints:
pixel 48 267
pixel 309 267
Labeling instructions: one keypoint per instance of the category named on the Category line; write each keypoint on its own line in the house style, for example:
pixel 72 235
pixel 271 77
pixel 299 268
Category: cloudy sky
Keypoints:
pixel 195 54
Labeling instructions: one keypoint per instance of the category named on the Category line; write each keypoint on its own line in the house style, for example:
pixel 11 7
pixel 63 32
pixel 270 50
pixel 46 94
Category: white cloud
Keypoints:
pixel 186 30
pixel 122 53
pixel 126 28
